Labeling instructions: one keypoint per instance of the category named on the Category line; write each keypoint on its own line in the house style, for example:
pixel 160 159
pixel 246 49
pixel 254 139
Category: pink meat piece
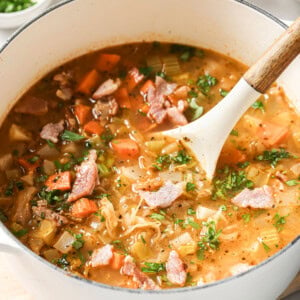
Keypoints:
pixel 130 269
pixel 258 198
pixel 156 99
pixel 176 117
pixel 51 131
pixel 175 269
pixel 102 256
pixel 86 178
pixel 164 197
pixel 105 108
pixel 42 211
pixel 107 88
pixel 32 106
pixel 135 73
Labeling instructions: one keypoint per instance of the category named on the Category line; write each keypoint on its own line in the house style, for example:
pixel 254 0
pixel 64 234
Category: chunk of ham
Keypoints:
pixel 32 105
pixel 143 281
pixel 107 88
pixel 176 117
pixel 176 272
pixel 164 197
pixel 86 178
pixel 105 108
pixel 156 99
pixel 102 256
pixel 257 198
pixel 51 131
pixel 42 211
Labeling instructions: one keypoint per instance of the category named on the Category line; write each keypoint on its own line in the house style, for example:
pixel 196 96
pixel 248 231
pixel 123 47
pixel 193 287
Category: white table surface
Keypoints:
pixel 10 289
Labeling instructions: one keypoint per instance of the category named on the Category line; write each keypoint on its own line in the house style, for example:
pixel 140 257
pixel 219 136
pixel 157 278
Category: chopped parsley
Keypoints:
pixel 50 144
pixel 71 136
pixel 292 182
pixel 205 82
pixel 274 156
pixel 266 247
pixel 194 111
pixel 279 221
pixel 210 240
pixel 33 159
pixel 182 158
pixel 120 246
pixel 191 211
pixel 190 186
pixel 3 217
pixel 246 218
pixel 258 105
pixel 63 262
pixel 20 233
pixel 234 132
pixel 157 216
pixel 164 161
pixel 229 181
pixel 79 242
pixel 243 165
pixel 153 267
pixel 223 93
pixel 9 191
pixel 146 71
pixel 192 223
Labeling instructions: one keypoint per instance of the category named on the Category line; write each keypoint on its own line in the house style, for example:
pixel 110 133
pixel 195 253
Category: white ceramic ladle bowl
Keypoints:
pixel 79 26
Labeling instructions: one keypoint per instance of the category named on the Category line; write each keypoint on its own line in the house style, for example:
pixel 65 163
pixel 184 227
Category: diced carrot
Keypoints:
pixel 89 82
pixel 29 164
pixel 83 208
pixel 133 78
pixel 93 127
pixel 122 97
pixel 117 261
pixel 144 109
pixel 272 134
pixel 107 62
pixel 144 89
pixel 83 113
pixel 60 181
pixel 231 156
pixel 125 148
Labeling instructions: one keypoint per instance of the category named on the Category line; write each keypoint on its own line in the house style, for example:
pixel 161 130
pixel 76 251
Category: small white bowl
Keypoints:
pixel 16 19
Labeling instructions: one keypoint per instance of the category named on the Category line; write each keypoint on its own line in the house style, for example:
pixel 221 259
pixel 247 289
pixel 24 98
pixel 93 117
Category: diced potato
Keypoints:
pixel 74 148
pixel 140 250
pixel 48 167
pixel 187 249
pixel 155 146
pixel 6 161
pixel 203 213
pixel 270 237
pixel 170 148
pixel 36 244
pixel 18 134
pixel 46 231
pixel 28 179
pixel 51 254
pixel 181 240
pixel 47 152
pixel 12 174
pixel 258 176
pixel 64 243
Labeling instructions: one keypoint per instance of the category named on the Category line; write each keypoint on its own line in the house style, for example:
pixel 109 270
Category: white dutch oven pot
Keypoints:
pixel 79 26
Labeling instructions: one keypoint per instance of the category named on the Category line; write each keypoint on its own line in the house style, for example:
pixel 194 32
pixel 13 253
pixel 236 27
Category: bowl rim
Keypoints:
pixel 127 290
pixel 29 9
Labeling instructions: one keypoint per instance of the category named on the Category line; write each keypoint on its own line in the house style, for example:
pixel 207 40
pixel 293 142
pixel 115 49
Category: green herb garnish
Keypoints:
pixel 279 221
pixel 79 242
pixel 20 233
pixel 190 186
pixel 157 216
pixel 153 267
pixel 71 136
pixel 274 156
pixel 205 82
pixel 258 105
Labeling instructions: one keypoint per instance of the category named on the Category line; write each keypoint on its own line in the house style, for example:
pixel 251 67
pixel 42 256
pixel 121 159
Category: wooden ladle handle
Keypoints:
pixel 266 70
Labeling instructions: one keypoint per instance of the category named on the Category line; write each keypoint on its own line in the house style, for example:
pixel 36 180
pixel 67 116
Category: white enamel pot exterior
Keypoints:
pixel 79 26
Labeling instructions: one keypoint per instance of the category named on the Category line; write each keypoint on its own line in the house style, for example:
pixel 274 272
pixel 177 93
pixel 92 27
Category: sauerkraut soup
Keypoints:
pixel 89 183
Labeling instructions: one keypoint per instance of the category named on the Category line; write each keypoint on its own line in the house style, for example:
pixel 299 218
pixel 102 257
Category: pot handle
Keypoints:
pixel 7 244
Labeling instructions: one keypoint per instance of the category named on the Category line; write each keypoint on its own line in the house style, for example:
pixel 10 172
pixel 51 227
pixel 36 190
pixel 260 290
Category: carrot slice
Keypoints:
pixel 83 208
pixel 107 62
pixel 133 78
pixel 117 261
pixel 272 134
pixel 83 113
pixel 125 148
pixel 231 156
pixel 122 97
pixel 60 181
pixel 146 86
pixel 93 127
pixel 89 82
pixel 29 163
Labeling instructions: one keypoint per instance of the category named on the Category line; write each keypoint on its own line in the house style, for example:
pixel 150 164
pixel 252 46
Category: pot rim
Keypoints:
pixel 120 289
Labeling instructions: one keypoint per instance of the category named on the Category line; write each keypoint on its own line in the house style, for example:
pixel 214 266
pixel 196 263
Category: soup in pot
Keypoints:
pixel 89 183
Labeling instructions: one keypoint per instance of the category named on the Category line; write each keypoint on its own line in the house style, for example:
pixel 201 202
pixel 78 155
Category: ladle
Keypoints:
pixel 207 135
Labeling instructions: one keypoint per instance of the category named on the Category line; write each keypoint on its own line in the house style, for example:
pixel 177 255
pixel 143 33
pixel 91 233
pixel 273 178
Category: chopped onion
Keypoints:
pixel 64 243
pixel 171 176
pixel 132 172
pixel 48 152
